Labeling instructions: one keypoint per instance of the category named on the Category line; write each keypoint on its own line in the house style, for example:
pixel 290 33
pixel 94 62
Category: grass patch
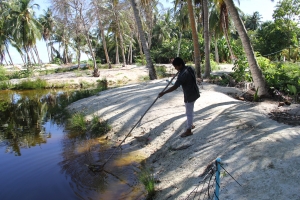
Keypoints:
pixel 30 85
pixel 144 78
pixel 61 70
pixel 4 85
pixel 2 73
pixel 146 177
pixel 96 126
pixel 77 122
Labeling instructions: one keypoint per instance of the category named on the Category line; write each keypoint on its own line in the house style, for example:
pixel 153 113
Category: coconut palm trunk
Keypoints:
pixel 49 56
pixel 216 51
pixel 37 54
pixel 121 40
pixel 225 30
pixel 117 51
pixel 150 66
pixel 129 59
pixel 206 40
pixel 96 72
pixel 140 45
pixel 3 56
pixel 6 47
pixel 258 78
pixel 102 33
pixel 32 56
pixel 197 55
pixel 179 44
pixel 104 44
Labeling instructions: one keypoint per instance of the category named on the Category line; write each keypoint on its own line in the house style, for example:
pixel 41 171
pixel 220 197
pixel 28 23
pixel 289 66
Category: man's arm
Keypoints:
pixel 171 89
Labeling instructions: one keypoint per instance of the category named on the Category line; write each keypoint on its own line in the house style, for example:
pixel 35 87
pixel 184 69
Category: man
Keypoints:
pixel 187 79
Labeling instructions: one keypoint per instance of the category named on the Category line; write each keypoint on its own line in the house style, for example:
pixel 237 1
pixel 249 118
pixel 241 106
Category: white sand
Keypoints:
pixel 261 154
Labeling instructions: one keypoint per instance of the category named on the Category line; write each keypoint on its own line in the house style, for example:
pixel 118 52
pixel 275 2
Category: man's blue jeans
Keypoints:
pixel 189 111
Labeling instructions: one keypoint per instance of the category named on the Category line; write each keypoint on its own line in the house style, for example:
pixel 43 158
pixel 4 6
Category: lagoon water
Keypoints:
pixel 41 159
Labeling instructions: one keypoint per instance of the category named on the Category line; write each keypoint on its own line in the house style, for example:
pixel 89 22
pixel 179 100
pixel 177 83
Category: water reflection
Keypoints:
pixel 118 180
pixel 23 114
pixel 31 119
pixel 21 122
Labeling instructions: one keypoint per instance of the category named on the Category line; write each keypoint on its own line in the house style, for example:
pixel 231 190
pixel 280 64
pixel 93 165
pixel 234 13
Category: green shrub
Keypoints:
pixel 77 122
pixel 140 60
pixel 102 84
pixel 4 85
pixel 21 74
pixel 98 126
pixel 281 75
pixel 61 70
pixel 241 70
pixel 56 61
pixel 3 76
pixel 214 66
pixel 161 71
pixel 29 84
pixel 144 78
pixel 102 66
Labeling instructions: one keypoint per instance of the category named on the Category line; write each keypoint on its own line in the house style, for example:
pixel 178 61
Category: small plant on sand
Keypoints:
pixel 144 78
pixel 102 84
pixel 98 126
pixel 78 122
pixel 147 178
pixel 293 90
pixel 256 96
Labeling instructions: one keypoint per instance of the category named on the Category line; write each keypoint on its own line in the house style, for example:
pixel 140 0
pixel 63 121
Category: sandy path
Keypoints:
pixel 263 155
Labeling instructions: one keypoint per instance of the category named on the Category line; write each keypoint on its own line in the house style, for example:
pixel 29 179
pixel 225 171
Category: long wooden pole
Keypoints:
pixel 137 123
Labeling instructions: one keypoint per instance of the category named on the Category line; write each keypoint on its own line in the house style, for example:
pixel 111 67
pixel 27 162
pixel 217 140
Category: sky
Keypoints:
pixel 264 7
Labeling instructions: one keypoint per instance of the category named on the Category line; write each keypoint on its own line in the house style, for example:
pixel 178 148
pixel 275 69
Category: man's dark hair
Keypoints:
pixel 178 61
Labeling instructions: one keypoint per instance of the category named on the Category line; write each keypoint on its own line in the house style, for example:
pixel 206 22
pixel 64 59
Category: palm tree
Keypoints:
pixel 253 22
pixel 182 22
pixel 197 56
pixel 224 21
pixel 4 40
pixel 86 28
pixel 62 11
pixel 258 78
pixel 98 9
pixel 216 29
pixel 162 29
pixel 206 38
pixel 48 23
pixel 150 66
pixel 119 30
pixel 26 28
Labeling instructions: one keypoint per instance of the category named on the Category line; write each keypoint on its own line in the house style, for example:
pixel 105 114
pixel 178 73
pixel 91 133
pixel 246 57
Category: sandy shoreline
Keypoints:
pixel 262 154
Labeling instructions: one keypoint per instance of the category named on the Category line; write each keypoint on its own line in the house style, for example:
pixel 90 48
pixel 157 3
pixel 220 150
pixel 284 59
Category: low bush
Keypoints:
pixel 161 71
pixel 98 126
pixel 29 84
pixel 281 76
pixel 2 73
pixel 4 85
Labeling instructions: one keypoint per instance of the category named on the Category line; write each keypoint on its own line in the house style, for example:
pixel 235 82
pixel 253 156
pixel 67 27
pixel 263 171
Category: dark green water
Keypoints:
pixel 41 159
